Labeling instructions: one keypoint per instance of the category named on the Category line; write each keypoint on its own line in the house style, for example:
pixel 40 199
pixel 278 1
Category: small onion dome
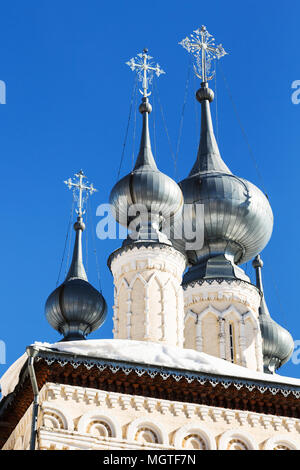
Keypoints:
pixel 277 343
pixel 156 192
pixel 76 308
pixel 238 218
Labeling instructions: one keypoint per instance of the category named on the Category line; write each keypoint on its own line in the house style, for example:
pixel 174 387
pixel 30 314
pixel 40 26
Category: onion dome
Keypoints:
pixel 238 218
pixel 277 343
pixel 76 308
pixel 146 191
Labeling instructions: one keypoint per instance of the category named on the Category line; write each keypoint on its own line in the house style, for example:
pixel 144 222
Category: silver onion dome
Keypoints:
pixel 76 308
pixel 238 218
pixel 277 343
pixel 155 196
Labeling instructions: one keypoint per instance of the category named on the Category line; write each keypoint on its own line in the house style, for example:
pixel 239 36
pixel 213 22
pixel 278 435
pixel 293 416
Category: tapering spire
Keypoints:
pixel 145 70
pixel 208 156
pixel 77 268
pixel 81 192
pixel 202 46
pixel 258 264
pixel 145 156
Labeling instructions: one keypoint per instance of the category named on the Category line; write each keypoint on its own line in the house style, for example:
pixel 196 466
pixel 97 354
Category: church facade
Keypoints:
pixel 193 359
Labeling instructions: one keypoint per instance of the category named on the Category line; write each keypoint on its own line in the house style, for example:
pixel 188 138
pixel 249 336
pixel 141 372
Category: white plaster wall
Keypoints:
pixel 209 310
pixel 148 295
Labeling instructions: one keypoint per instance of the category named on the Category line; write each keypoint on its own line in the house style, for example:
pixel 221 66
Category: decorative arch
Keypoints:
pixel 122 283
pixel 280 442
pixel 193 436
pixel 209 310
pixel 250 315
pixel 231 313
pixel 153 278
pixel 135 278
pixel 152 431
pixel 190 314
pixel 99 424
pixel 56 419
pixel 237 440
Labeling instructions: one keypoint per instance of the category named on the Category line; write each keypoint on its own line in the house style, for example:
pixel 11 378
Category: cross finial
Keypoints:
pixel 81 191
pixel 202 45
pixel 145 69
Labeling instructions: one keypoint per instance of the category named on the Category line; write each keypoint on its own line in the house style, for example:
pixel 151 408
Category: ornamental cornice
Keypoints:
pixel 114 400
pixel 150 247
pixel 165 373
pixel 160 258
pixel 222 290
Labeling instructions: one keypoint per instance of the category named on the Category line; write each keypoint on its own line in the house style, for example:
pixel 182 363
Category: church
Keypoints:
pixel 195 352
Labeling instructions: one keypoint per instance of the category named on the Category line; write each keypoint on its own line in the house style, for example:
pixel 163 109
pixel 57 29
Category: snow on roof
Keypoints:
pixel 143 352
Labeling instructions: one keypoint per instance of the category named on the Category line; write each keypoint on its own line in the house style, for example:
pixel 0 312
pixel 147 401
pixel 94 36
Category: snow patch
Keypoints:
pixel 148 353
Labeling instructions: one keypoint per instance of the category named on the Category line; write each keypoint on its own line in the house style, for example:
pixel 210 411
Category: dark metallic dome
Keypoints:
pixel 76 308
pixel 277 343
pixel 156 192
pixel 238 218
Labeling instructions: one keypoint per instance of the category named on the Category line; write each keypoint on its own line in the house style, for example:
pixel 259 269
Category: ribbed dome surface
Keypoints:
pixel 238 219
pixel 76 308
pixel 278 344
pixel 147 186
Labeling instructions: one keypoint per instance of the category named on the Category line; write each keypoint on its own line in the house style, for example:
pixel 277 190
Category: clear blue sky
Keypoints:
pixel 68 97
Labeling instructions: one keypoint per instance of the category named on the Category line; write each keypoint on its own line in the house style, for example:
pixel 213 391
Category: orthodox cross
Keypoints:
pixel 82 189
pixel 145 69
pixel 202 45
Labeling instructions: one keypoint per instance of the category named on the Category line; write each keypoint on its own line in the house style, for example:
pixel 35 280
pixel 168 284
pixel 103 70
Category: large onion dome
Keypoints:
pixel 238 219
pixel 146 191
pixel 277 343
pixel 76 308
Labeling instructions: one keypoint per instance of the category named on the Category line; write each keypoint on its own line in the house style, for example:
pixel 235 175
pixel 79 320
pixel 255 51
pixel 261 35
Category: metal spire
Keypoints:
pixel 145 70
pixel 202 45
pixel 83 191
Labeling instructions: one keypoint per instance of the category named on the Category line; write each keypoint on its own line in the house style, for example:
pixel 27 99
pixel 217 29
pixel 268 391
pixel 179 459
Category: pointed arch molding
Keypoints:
pixel 199 430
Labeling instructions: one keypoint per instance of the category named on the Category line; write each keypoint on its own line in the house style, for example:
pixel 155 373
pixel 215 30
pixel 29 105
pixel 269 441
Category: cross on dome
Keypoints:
pixel 202 45
pixel 83 191
pixel 145 69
